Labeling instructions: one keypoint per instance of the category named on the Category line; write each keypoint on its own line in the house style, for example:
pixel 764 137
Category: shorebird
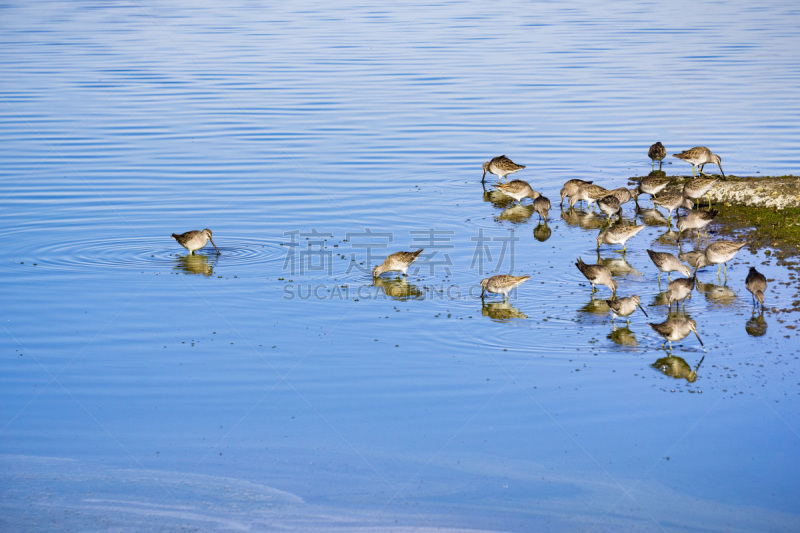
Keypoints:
pixel 597 275
pixel 502 284
pixel 500 166
pixel 666 262
pixel 622 194
pixel 675 329
pixel 571 187
pixel 609 205
pixel 194 240
pixel 680 289
pixel 696 188
pixel 618 235
pixel 542 206
pixel 517 189
pixel 651 185
pixel 624 307
pixel 696 220
pixel 657 152
pixel 590 193
pixel 398 261
pixel 756 283
pixel 672 201
pixel 699 156
pixel 721 252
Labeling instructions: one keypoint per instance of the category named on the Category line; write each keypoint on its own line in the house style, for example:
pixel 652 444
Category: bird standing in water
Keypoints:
pixel 195 239
pixel 699 156
pixel 500 166
pixel 398 261
pixel 657 152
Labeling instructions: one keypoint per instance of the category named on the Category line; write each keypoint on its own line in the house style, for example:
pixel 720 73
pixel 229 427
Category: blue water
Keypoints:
pixel 275 386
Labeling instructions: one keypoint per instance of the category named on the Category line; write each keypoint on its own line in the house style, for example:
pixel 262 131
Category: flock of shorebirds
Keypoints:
pixel 674 328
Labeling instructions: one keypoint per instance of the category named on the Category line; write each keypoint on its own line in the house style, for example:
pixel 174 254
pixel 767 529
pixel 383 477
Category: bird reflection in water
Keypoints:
pixel 651 217
pixel 596 306
pixel 623 336
pixel 497 198
pixel 516 214
pixel 398 288
pixel 677 367
pixel 582 219
pixel 618 265
pixel 756 326
pixel 542 232
pixel 719 295
pixel 669 238
pixel 194 264
pixel 501 311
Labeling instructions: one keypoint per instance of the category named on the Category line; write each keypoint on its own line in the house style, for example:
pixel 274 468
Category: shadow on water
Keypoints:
pixel 195 264
pixel 677 367
pixel 756 326
pixel 501 311
pixel 398 288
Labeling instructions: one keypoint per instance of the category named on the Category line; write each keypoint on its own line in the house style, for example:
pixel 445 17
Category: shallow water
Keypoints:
pixel 275 385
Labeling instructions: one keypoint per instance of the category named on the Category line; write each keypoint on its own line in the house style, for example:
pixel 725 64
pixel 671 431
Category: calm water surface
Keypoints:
pixel 274 386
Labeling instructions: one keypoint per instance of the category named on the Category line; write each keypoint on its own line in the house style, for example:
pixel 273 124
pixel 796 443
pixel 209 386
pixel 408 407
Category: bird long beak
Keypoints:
pixel 720 169
pixel 643 311
pixel 483 178
pixel 701 342
pixel 483 291
pixel 214 245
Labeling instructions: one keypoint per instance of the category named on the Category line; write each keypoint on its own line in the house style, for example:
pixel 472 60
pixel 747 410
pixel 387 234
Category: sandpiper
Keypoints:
pixel 624 307
pixel 697 220
pixel 500 166
pixel 652 185
pixel 590 193
pixel 756 283
pixel 721 252
pixel 622 194
pixel 542 206
pixel 502 284
pixel 195 239
pixel 696 188
pixel 398 261
pixel 672 201
pixel 517 189
pixel 657 152
pixel 609 205
pixel 618 235
pixel 675 329
pixel 597 275
pixel 699 156
pixel 680 289
pixel 666 262
pixel 571 187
